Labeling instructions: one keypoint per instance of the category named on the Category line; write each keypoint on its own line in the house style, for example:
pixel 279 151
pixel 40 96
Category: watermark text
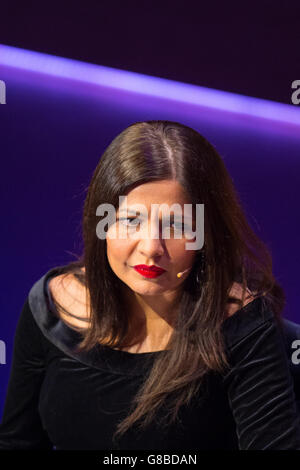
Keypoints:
pixel 2 92
pixel 2 352
pixel 133 222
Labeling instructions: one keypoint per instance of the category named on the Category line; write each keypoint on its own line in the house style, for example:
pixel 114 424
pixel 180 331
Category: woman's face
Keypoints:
pixel 138 245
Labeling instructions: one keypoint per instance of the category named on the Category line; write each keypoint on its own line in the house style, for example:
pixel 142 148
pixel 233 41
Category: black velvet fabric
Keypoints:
pixel 58 398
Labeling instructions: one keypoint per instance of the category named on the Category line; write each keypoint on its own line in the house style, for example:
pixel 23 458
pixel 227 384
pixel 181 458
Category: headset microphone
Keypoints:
pixel 181 273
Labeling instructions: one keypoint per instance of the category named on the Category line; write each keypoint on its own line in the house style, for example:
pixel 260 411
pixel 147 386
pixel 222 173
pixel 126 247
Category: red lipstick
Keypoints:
pixel 149 271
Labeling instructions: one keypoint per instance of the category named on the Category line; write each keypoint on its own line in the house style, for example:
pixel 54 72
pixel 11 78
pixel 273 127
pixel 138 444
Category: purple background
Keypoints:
pixel 249 47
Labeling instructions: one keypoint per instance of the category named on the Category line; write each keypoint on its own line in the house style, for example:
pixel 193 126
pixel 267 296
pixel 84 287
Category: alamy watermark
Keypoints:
pixel 2 92
pixel 296 354
pixel 296 94
pixel 2 352
pixel 138 225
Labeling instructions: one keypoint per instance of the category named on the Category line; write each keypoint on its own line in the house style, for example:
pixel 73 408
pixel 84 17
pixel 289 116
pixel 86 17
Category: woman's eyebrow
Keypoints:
pixel 128 211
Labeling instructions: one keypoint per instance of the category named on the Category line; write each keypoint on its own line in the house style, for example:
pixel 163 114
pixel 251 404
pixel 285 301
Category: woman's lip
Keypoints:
pixel 156 269
pixel 148 272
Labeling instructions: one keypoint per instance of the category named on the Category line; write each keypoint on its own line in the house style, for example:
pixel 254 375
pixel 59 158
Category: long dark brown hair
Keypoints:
pixel 159 150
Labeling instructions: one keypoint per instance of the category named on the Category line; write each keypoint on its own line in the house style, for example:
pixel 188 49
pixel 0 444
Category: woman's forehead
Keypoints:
pixel 159 192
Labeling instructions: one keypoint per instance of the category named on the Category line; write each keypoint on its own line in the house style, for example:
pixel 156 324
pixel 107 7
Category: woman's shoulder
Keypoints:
pixel 236 293
pixel 255 313
pixel 70 298
pixel 71 295
pixel 62 331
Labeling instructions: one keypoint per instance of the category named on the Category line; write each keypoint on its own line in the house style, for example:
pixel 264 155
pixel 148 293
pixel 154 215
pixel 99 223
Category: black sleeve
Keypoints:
pixel 259 382
pixel 21 426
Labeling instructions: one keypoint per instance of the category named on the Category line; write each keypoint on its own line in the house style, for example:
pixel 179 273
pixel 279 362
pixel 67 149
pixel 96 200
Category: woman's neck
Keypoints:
pixel 151 319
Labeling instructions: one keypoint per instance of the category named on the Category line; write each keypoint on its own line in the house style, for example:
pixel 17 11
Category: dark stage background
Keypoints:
pixel 53 130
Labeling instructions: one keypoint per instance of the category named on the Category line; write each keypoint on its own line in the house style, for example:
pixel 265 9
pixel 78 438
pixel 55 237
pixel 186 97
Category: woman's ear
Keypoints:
pixel 236 293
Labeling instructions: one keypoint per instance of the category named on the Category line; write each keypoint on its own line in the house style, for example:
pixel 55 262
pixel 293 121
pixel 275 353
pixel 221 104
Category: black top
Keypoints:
pixel 61 399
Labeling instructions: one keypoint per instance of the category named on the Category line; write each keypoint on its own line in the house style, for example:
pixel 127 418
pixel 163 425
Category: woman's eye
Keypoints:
pixel 178 226
pixel 134 222
pixel 130 219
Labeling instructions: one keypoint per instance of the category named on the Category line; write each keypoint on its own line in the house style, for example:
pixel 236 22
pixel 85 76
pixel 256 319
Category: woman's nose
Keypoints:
pixel 152 243
pixel 152 248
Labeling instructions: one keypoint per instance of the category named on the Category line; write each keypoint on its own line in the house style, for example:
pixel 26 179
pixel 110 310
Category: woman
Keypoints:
pixel 109 355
